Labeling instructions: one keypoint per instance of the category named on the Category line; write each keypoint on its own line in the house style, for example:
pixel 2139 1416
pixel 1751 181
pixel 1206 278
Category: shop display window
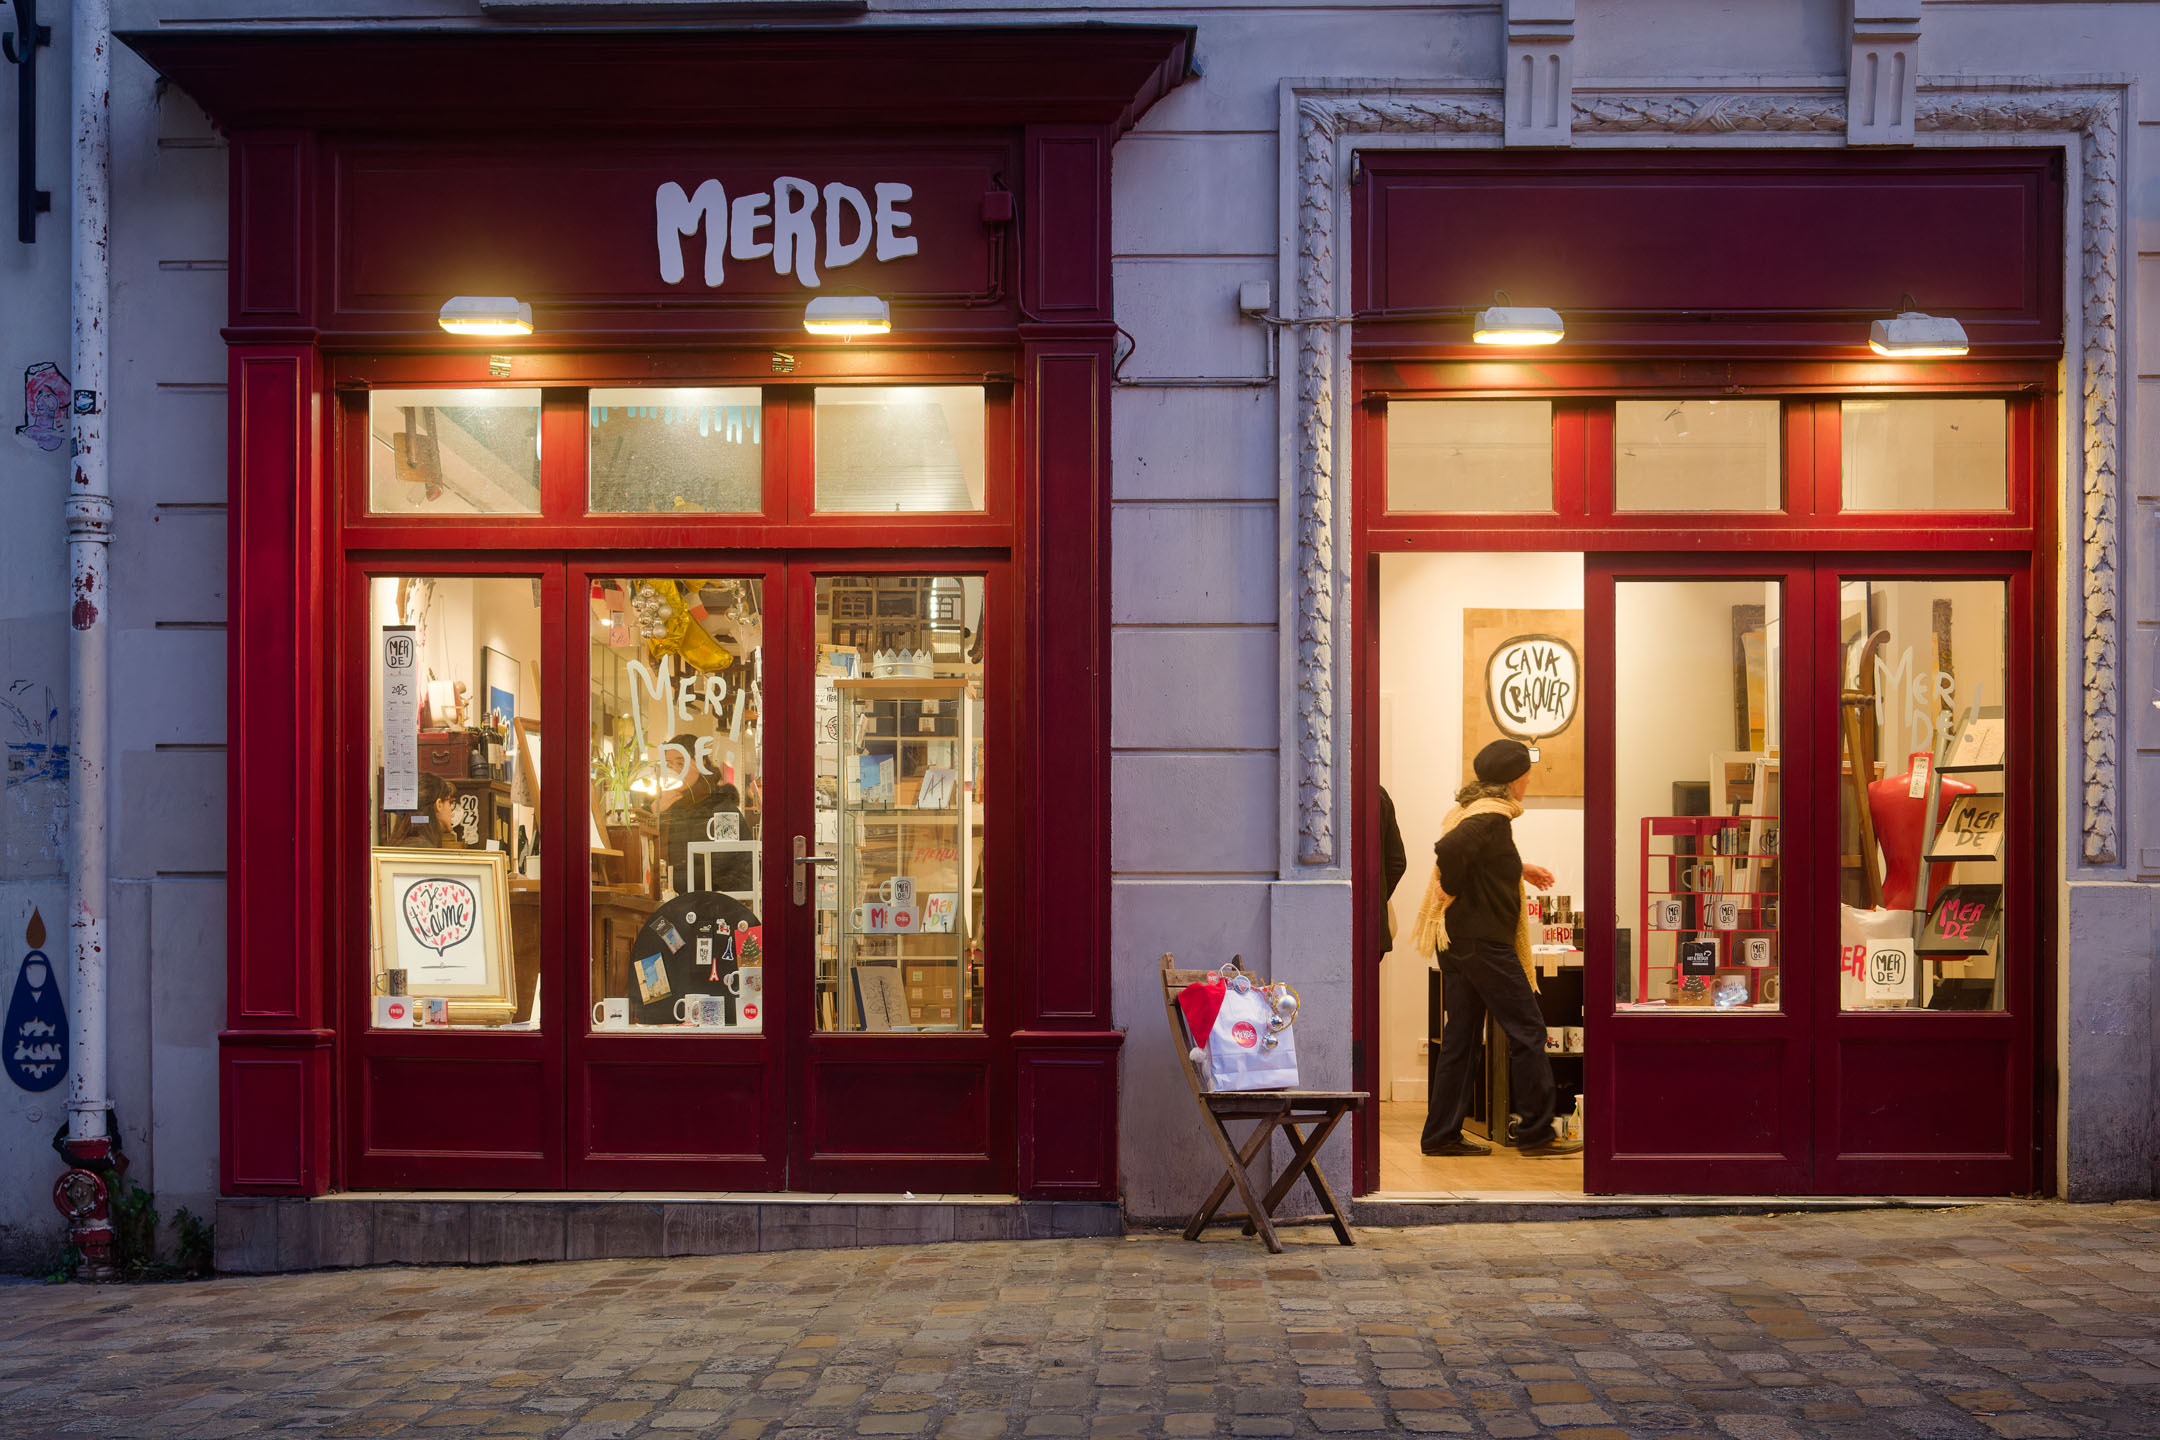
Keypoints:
pixel 454 452
pixel 1922 761
pixel 454 863
pixel 1697 455
pixel 899 449
pixel 1925 454
pixel 677 805
pixel 1698 795
pixel 1470 456
pixel 900 803
pixel 676 451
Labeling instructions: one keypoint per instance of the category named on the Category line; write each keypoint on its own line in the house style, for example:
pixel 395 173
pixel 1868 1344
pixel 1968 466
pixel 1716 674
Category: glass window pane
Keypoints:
pixel 895 449
pixel 1469 455
pixel 677 805
pixel 1698 795
pixel 454 707
pixel 1925 454
pixel 900 802
pixel 454 452
pixel 667 451
pixel 1697 455
pixel 1921 748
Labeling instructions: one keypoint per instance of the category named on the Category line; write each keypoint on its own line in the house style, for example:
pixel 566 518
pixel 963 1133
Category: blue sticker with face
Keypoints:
pixel 35 1043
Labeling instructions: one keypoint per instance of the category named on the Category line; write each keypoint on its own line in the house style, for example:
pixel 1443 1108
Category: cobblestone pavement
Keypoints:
pixel 2001 1320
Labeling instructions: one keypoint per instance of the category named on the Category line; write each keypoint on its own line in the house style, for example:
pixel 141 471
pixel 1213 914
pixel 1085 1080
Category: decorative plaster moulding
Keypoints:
pixel 1332 118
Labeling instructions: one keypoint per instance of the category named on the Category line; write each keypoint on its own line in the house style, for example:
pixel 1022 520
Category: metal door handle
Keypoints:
pixel 803 860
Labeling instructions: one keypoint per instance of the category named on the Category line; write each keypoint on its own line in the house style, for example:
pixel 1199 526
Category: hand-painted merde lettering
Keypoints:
pixel 782 224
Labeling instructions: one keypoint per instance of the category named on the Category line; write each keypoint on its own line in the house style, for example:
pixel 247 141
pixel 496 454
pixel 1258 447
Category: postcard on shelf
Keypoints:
pixel 940 788
pixel 1979 746
pixel 1964 921
pixel 1972 829
pixel 939 911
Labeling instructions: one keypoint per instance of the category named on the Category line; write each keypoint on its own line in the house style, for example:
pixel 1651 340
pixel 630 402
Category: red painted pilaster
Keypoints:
pixel 275 1071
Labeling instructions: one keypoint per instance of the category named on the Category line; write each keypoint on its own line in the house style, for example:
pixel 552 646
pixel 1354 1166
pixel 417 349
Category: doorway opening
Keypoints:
pixel 1475 647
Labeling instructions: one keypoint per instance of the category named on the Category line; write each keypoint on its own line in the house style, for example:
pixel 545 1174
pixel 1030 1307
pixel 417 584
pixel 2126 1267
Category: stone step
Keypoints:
pixel 356 1228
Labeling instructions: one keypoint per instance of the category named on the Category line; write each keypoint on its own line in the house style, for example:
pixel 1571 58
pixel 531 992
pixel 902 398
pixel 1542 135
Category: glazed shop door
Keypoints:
pixel 897 840
pixel 1699 1028
pixel 677 1043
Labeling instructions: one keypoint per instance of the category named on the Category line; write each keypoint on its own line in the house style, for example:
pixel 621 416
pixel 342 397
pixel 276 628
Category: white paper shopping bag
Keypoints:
pixel 1241 1041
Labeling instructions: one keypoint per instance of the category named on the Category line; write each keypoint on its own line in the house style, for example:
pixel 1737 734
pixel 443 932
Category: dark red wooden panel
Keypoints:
pixel 921 1108
pixel 475 1108
pixel 1702 1097
pixel 1906 1095
pixel 569 225
pixel 270 642
pixel 1697 251
pixel 1068 237
pixel 1068 828
pixel 1068 1117
pixel 673 1109
pixel 265 1123
pixel 271 176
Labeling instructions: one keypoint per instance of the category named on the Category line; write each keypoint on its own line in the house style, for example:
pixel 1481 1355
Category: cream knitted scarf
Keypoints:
pixel 1429 935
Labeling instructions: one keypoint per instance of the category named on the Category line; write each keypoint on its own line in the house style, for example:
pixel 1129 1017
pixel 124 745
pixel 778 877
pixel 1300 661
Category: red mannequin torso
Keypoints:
pixel 1899 816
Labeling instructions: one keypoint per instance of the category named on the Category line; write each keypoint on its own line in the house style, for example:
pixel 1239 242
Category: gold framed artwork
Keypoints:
pixel 442 917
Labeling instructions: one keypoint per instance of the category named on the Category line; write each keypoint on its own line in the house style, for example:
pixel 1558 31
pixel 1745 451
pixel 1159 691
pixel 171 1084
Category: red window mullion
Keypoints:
pixel 564 452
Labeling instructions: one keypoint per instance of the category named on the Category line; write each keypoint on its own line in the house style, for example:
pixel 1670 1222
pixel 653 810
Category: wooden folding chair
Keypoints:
pixel 1272 1110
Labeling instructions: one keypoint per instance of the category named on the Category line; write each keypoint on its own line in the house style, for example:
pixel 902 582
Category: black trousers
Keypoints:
pixel 1482 976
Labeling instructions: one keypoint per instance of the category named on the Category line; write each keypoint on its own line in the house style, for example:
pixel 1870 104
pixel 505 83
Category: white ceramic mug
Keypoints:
pixel 393 1012
pixel 703 1012
pixel 746 983
pixel 1571 1039
pixel 899 890
pixel 613 1014
pixel 1555 1039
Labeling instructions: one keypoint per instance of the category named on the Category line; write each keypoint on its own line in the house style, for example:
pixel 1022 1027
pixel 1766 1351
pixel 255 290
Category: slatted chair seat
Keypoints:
pixel 1285 1110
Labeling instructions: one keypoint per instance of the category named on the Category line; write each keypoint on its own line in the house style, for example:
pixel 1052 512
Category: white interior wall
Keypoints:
pixel 1422 599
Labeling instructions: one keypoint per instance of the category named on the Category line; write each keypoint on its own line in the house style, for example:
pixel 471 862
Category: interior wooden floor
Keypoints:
pixel 1404 1171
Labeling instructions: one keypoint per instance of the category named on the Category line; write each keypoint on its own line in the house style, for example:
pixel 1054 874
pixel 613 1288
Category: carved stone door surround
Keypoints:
pixel 1324 124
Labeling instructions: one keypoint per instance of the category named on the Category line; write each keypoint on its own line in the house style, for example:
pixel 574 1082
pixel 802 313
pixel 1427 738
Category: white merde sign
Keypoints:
pixel 785 224
pixel 1532 686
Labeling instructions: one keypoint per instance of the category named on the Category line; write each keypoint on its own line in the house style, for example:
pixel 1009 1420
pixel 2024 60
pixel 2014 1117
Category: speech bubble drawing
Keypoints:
pixel 440 913
pixel 1533 684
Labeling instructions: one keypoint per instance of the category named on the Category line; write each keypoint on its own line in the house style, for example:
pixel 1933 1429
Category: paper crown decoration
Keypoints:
pixel 900 665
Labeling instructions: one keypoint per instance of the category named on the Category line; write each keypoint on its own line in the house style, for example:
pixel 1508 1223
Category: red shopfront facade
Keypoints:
pixel 805 557
pixel 1733 292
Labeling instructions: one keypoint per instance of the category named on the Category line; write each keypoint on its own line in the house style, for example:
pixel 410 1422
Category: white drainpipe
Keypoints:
pixel 89 522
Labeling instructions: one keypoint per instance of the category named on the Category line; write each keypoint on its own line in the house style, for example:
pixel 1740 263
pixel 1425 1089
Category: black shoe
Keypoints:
pixel 1552 1145
pixel 1457 1146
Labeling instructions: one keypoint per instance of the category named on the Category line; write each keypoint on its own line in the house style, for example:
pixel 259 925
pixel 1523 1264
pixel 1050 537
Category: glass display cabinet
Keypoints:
pixel 899 933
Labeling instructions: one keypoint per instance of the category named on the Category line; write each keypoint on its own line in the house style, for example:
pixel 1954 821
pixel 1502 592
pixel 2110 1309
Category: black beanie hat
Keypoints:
pixel 1502 763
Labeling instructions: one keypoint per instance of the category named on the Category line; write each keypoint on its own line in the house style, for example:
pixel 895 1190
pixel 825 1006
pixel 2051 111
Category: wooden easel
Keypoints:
pixel 1856 716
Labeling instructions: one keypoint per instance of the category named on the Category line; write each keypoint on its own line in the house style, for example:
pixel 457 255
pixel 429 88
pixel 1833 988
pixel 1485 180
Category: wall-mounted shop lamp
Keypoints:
pixel 485 315
pixel 1912 335
pixel 1505 324
pixel 848 315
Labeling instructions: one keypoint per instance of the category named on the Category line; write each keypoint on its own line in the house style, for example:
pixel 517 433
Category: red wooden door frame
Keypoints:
pixel 1814 524
pixel 735 1156
pixel 854 1128
pixel 1671 1070
pixel 511 1079
pixel 1961 1067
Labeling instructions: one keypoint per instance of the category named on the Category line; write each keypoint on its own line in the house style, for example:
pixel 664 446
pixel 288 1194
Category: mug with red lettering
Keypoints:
pixel 878 918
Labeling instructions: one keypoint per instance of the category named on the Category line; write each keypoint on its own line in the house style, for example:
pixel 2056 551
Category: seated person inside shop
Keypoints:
pixel 696 814
pixel 1486 963
pixel 433 825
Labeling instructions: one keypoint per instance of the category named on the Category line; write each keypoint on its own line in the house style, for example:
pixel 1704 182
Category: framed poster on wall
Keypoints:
pixel 1522 678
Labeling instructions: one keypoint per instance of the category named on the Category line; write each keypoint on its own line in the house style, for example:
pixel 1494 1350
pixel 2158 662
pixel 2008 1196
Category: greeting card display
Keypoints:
pixel 1964 921
pixel 1972 829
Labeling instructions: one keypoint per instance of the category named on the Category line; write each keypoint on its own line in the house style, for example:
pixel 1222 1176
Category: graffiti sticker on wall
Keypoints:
pixel 36 1039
